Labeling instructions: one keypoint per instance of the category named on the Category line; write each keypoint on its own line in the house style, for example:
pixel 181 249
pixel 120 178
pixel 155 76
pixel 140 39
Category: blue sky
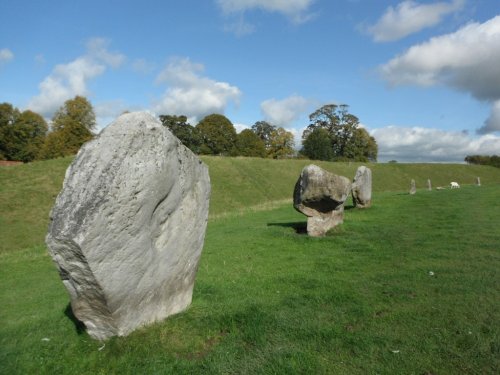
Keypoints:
pixel 422 76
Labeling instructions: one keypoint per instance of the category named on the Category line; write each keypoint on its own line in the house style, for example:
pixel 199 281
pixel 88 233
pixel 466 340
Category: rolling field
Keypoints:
pixel 409 286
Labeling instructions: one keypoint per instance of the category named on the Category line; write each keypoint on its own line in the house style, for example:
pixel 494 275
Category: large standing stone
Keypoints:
pixel 128 227
pixel 320 195
pixel 362 187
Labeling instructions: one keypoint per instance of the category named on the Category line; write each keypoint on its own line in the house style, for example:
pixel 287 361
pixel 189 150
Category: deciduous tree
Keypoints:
pixel 348 140
pixel 264 130
pixel 187 134
pixel 318 145
pixel 218 135
pixel 22 134
pixel 249 144
pixel 72 126
pixel 281 144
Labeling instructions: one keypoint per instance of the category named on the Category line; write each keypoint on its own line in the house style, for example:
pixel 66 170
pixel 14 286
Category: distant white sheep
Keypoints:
pixel 454 185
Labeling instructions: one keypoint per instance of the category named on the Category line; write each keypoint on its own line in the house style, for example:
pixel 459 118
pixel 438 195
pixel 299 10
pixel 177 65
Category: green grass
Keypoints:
pixel 269 300
pixel 27 192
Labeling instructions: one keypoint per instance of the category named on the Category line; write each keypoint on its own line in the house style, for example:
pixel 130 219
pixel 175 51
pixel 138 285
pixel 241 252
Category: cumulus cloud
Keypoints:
pixel 466 60
pixel 492 124
pixel 6 55
pixel 417 144
pixel 97 48
pixel 410 17
pixel 284 112
pixel 71 79
pixel 296 10
pixel 191 94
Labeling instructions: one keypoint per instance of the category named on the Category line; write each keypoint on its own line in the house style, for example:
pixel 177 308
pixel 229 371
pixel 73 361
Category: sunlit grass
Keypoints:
pixel 409 286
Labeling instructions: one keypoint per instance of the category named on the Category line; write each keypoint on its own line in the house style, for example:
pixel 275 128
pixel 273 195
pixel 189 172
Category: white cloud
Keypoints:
pixel 417 144
pixel 284 112
pixel 466 60
pixel 296 10
pixel 410 17
pixel 6 55
pixel 98 49
pixel 106 112
pixel 240 127
pixel 191 94
pixel 69 80
pixel 65 82
pixel 492 124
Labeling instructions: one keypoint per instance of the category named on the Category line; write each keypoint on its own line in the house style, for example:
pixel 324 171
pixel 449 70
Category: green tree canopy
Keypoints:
pixel 318 145
pixel 218 135
pixel 264 130
pixel 348 141
pixel 22 134
pixel 187 134
pixel 281 144
pixel 249 144
pixel 8 117
pixel 493 160
pixel 72 126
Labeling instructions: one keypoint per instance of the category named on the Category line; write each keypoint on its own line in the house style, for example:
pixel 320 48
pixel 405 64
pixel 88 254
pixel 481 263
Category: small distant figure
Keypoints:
pixel 429 184
pixel 478 181
pixel 454 185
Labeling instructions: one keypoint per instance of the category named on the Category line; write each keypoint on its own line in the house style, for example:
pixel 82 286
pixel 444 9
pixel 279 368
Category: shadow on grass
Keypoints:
pixel 300 227
pixel 79 326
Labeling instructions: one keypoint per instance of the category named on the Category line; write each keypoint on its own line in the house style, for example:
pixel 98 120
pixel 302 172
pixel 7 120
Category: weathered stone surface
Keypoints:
pixel 320 195
pixel 128 227
pixel 429 184
pixel 413 188
pixel 362 188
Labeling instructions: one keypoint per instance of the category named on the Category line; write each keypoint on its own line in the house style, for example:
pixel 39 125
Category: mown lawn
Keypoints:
pixel 410 286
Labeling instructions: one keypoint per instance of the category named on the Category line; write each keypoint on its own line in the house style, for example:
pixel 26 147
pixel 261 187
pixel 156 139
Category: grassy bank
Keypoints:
pixel 27 192
pixel 409 286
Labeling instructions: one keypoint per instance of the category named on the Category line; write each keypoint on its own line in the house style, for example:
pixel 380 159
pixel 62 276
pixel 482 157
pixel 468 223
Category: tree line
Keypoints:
pixel 333 135
pixel 216 135
pixel 25 136
pixel 493 160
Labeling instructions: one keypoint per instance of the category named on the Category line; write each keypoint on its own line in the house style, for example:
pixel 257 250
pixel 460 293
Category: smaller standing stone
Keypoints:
pixel 478 182
pixel 362 188
pixel 413 188
pixel 320 195
pixel 429 185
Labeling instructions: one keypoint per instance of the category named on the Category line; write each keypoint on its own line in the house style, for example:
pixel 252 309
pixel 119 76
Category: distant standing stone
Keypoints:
pixel 127 229
pixel 413 188
pixel 478 182
pixel 362 188
pixel 429 185
pixel 320 195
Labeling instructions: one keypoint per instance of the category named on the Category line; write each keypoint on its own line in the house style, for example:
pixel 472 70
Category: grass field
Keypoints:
pixel 409 286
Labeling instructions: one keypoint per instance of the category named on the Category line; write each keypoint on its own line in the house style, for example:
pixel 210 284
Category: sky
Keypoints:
pixel 423 77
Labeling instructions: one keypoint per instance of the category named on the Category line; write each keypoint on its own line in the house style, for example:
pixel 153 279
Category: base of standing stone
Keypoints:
pixel 317 226
pixel 366 204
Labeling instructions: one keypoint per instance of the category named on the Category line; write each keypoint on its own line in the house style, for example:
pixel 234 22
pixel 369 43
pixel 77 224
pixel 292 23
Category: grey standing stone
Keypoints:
pixel 320 195
pixel 362 188
pixel 413 188
pixel 429 184
pixel 478 181
pixel 127 229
